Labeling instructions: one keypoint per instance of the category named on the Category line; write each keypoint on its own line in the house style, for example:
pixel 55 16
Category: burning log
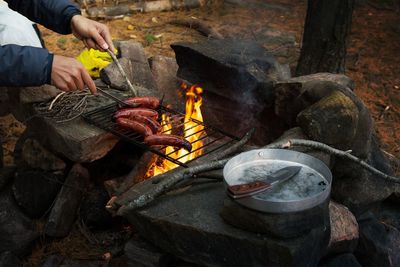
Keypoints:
pixel 158 185
pixel 199 25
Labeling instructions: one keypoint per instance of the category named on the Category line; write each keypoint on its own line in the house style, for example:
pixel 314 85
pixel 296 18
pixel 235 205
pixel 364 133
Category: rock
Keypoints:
pixel 188 226
pixel 16 230
pixel 53 261
pixel 64 211
pixel 145 254
pixel 8 259
pixel 37 157
pixel 282 226
pixel 29 95
pixel 164 71
pixel 75 140
pixel 389 214
pixel 237 77
pixel 112 76
pixel 296 94
pixel 6 175
pixel 359 189
pixel 134 62
pixel 342 260
pixel 35 190
pixel 333 120
pixel 92 210
pixel 344 230
pixel 379 244
pixel 297 133
pixel 61 261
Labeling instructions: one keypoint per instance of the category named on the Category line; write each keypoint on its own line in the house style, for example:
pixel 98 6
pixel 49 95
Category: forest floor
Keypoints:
pixel 372 61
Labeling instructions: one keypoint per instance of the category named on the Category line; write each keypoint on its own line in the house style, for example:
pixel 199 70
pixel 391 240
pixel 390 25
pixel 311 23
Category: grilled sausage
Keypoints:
pixel 144 101
pixel 131 112
pixel 135 126
pixel 152 124
pixel 168 140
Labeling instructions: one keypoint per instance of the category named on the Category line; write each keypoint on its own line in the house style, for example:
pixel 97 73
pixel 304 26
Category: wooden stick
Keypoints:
pixel 199 25
pixel 163 182
pixel 167 184
pixel 121 70
pixel 335 152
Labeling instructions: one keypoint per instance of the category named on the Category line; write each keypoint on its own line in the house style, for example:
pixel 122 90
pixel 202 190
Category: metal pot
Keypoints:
pixel 309 188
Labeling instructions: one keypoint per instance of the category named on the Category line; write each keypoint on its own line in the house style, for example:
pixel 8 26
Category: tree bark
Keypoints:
pixel 325 37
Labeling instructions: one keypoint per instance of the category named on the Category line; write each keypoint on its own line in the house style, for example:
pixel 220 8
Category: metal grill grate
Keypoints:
pixel 212 137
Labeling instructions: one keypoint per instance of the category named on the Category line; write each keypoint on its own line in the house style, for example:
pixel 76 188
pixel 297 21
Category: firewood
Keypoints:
pixel 160 184
pixel 199 25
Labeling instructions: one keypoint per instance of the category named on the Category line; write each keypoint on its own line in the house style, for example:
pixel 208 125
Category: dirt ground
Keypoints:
pixel 372 61
pixel 373 53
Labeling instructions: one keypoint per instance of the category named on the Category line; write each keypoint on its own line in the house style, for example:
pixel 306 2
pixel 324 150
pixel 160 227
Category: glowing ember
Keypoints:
pixel 192 130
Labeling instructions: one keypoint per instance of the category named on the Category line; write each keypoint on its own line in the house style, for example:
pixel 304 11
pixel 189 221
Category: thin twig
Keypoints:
pixel 55 99
pixel 336 152
pixel 121 70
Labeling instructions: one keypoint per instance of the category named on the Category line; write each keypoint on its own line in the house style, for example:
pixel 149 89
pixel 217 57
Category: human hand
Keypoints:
pixel 68 74
pixel 92 33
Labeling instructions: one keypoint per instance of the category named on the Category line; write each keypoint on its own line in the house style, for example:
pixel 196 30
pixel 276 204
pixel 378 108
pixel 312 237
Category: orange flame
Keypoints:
pixel 193 132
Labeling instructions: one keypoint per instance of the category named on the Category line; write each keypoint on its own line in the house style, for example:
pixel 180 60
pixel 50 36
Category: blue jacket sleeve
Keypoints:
pixel 53 14
pixel 24 66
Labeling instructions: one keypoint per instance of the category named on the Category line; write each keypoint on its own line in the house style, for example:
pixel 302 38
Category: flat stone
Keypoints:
pixel 65 208
pixel 58 260
pixel 134 62
pixel 35 190
pixel 38 157
pixel 342 260
pixel 17 231
pixel 77 140
pixel 164 71
pixel 145 254
pixel 237 77
pixel 280 225
pixel 378 245
pixel 344 230
pixel 188 226
pixel 8 259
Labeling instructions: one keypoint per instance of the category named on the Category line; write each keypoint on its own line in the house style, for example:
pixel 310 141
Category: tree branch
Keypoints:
pixel 335 152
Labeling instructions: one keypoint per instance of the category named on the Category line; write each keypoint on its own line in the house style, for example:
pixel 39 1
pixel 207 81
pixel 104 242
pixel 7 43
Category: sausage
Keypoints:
pixel 152 124
pixel 131 112
pixel 168 140
pixel 144 101
pixel 135 126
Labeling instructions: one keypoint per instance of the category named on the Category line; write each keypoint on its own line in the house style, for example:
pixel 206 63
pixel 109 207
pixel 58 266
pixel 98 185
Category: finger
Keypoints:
pixel 91 43
pixel 88 81
pixel 71 84
pixel 99 39
pixel 86 44
pixel 79 81
pixel 105 33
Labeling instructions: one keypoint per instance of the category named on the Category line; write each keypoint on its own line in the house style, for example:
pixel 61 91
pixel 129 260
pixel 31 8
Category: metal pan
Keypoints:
pixel 309 188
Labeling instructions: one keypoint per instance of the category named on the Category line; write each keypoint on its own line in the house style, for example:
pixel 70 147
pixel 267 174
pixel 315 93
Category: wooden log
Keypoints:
pixel 199 25
pixel 64 211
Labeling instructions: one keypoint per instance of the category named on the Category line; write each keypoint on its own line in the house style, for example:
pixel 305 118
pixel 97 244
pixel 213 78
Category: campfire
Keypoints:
pixel 193 130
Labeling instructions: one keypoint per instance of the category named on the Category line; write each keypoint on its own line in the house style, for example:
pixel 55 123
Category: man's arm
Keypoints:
pixel 24 66
pixel 53 14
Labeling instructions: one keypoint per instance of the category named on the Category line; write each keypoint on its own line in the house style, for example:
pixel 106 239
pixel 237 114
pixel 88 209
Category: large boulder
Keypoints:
pixel 237 77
